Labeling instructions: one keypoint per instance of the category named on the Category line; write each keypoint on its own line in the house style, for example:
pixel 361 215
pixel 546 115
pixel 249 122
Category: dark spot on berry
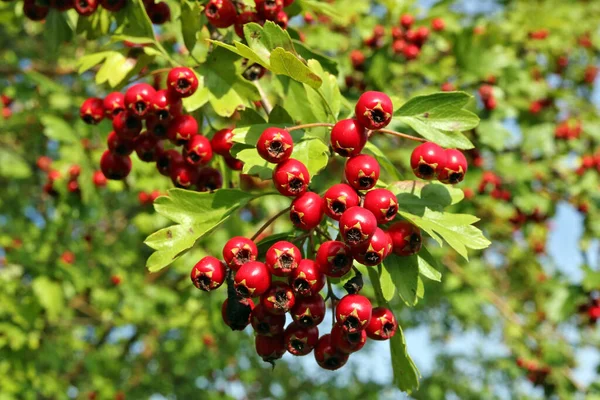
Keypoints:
pixel 122 150
pixel 425 171
pixel 388 328
pixel 306 321
pixel 242 291
pixel 365 182
pixel 243 256
pixel 297 345
pixel 162 115
pixel 354 337
pixel 212 10
pixel 391 212
pixel 426 115
pixel 352 324
pixel 203 282
pixel 83 3
pixel 194 157
pixel 338 207
pixel 276 149
pixel 341 261
pixel 333 362
pixel 378 116
pixel 132 123
pixel 88 119
pixel 287 262
pixel 183 85
pixel 296 185
pixel 160 130
pixel 353 236
pixel 415 242
pixel 373 258
pixel 263 328
pixel 455 177
pixel 117 111
pixel 140 107
pixel 295 218
pixel 301 287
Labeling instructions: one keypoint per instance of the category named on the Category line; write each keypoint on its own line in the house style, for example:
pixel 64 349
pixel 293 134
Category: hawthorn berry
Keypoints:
pixel 157 127
pixel 283 258
pixel 454 167
pixel 127 125
pixel 300 340
pixel 307 279
pixel 334 258
pixel 278 299
pixel 147 147
pixel 183 174
pixel 99 179
pixel 238 251
pixel 221 13
pixel 306 211
pixel 119 145
pixel 374 110
pixel 383 324
pixel 74 171
pixel 309 311
pixel 73 187
pixel 427 160
pixel 139 98
pixel 33 11
pixel 406 20
pixel 382 203
pixel 222 141
pixel 243 19
pixel 114 166
pixel 208 274
pixel 411 51
pixel 86 7
pixel 252 279
pixel 438 24
pixel 233 163
pixel 375 250
pixel 362 172
pixel 275 145
pixel 282 20
pixel 406 238
pixel 237 316
pixel 357 225
pixel 421 35
pixel 347 342
pixel 113 104
pixel 327 355
pixel 182 82
pixel 338 199
pixel 357 58
pixel 159 13
pixel 165 105
pixel 268 9
pixel 209 179
pixel 182 129
pixel 291 178
pixel 167 160
pixel 266 323
pixel 270 348
pixel 197 150
pixel 353 313
pixel 113 5
pixel 92 111
pixel 348 137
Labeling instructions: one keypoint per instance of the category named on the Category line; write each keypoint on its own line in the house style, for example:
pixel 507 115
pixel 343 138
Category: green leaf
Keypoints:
pixel 137 21
pixel 91 60
pixel 285 63
pixel 278 37
pixel 269 241
pixel 328 95
pixel 313 153
pixel 198 99
pixel 254 164
pixel 415 196
pixel 385 162
pixel 386 283
pixel 58 129
pixel 50 296
pixel 191 23
pixel 114 70
pixel 493 134
pixel 329 64
pixel 406 374
pixel 404 272
pixel 279 116
pixel 12 165
pixel 56 31
pixel 428 265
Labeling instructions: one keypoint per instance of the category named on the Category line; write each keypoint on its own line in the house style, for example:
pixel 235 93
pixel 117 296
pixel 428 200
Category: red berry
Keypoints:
pixel 99 179
pixel 197 150
pixel 328 356
pixel 357 225
pixel 33 11
pixel 427 160
pixel 266 323
pixel 383 324
pixel 411 51
pixel 113 5
pixel 221 13
pixel 268 9
pixel 92 111
pixel 222 141
pixel 165 105
pixel 357 58
pixel 307 211
pixel 181 129
pixel 362 172
pixel 282 20
pixel 309 311
pixel 183 175
pixel 383 204
pixel 74 171
pixel 275 145
pixel 118 145
pixel 252 279
pixel 406 238
pixel 291 178
pixel 127 125
pixel 438 24
pixel 73 187
pixel 114 166
pixel 234 163
pixel 238 251
pixel 334 259
pixel 147 147
pixel 353 313
pixel 375 250
pixel 348 137
pixel 307 279
pixel 300 340
pixel 454 167
pixel 406 20
pixel 374 110
pixel 167 160
pixel 421 35
pixel 283 258
pixel 347 342
pixel 208 274
pixel 237 316
pixel 86 7
pixel 182 82
pixel 270 348
pixel 209 179
pixel 44 163
pixel 338 199
pixel 139 98
pixel 279 299
pixel 159 13
pixel 113 104
pixel 116 280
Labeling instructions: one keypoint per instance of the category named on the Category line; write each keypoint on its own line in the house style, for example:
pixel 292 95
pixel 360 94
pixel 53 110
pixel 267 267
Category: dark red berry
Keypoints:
pixel 382 203
pixel 362 172
pixel 181 129
pixel 237 316
pixel 375 250
pixel 221 13
pixel 348 137
pixel 182 82
pixel 167 160
pixel 209 179
pixel 300 340
pixel 338 199
pixel 275 145
pixel 357 225
pixel 222 141
pixel 328 356
pixel 283 258
pixel 268 9
pixel 306 211
pixel 347 342
pixel 238 251
pixel 243 19
pixel 114 166
pixel 374 110
pixel 278 299
pixel 266 323
pixel 92 111
pixel 183 175
pixel 113 103
pixel 127 125
pixel 309 311
pixel 406 238
pixel 383 324
pixel 197 150
pixel 454 167
pixel 291 178
pixel 157 127
pixel 165 105
pixel 118 145
pixel 353 313
pixel 159 13
pixel 334 259
pixel 427 160
pixel 233 163
pixel 139 99
pixel 33 11
pixel 269 348
pixel 208 274
pixel 252 279
pixel 86 7
pixel 113 5
pixel 148 147
pixel 307 279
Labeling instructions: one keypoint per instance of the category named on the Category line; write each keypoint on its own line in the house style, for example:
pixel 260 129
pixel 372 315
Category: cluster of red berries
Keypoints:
pixel 537 374
pixel 520 217
pixel 486 93
pixel 540 34
pixel 224 13
pixel 590 73
pixel 591 309
pixel 147 198
pixel 37 10
pixel 537 106
pixel 490 180
pixel 568 130
pixel 430 161
pixel 407 40
pixel 6 103
pixel 44 163
pixel 589 162
pixel 162 113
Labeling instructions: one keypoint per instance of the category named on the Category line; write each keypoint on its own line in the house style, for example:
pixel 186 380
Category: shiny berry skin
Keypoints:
pixel 209 179
pixel 454 167
pixel 92 111
pixel 375 250
pixel 221 13
pixel 183 175
pixel 362 172
pixel 165 105
pixel 283 258
pixel 86 7
pixel 119 145
pixel 181 129
pixel 233 163
pixel 406 238
pixel 406 20
pixel 383 204
pixel 266 323
pixel 33 11
pixel 159 13
pixel 347 342
pixel 241 311
pixel 167 160
pixel 243 19
pixel 239 250
pixel 127 125
pixel 306 211
pixel 147 147
pixel 357 225
pixel 338 199
pixel 282 19
pixel 182 82
pixel 115 167
pixel 278 299
pixel 309 311
pixel 99 179
pixel 438 24
pixel 328 356
pixel 383 324
pixel 197 150
pixel 307 279
pixel 291 178
pixel 73 187
pixel 113 103
pixel 300 340
pixel 348 137
pixel 139 98
pixel 252 279
pixel 113 5
pixel 353 313
pixel 208 274
pixel 411 51
pixel 269 348
pixel 275 145
pixel 427 160
pixel 222 141
pixel 374 110
pixel 268 9
pixel 334 259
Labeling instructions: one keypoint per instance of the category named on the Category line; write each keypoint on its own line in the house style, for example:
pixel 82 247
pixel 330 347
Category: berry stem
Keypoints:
pixel 313 125
pixel 266 104
pixel 268 223
pixel 329 125
pixel 402 135
pixel 324 234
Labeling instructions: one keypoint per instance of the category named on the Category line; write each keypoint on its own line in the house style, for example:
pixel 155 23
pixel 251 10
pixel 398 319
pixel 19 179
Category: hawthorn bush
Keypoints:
pixel 337 174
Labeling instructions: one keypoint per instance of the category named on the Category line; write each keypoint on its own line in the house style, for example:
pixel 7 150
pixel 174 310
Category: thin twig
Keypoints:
pixel 269 222
pixel 313 125
pixel 266 104
pixel 402 135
